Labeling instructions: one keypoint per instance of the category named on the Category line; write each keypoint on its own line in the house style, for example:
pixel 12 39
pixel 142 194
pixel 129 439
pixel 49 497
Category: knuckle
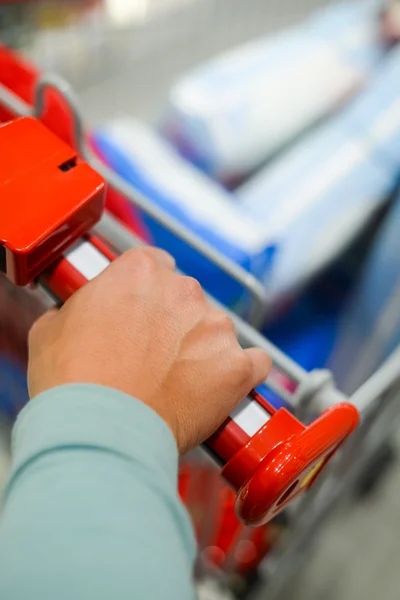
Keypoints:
pixel 191 288
pixel 225 322
pixel 242 366
pixel 220 320
pixel 142 258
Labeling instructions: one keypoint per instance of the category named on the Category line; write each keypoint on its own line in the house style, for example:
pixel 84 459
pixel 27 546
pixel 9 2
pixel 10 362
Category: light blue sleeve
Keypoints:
pixel 91 511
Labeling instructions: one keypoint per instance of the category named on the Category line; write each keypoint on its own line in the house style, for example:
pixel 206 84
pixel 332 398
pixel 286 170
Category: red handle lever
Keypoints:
pixel 49 199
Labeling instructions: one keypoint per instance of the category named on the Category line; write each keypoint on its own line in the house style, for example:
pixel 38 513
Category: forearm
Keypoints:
pixel 91 509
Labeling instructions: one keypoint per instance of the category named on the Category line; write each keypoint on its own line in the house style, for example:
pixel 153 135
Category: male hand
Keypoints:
pixel 141 328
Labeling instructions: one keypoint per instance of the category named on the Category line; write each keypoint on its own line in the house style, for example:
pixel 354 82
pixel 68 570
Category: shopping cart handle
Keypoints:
pixel 49 200
pixel 287 457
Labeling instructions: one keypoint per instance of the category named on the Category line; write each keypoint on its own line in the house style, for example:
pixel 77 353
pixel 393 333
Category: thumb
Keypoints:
pixel 261 363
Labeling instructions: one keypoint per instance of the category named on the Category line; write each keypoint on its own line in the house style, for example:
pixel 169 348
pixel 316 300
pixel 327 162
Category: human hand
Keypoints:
pixel 144 329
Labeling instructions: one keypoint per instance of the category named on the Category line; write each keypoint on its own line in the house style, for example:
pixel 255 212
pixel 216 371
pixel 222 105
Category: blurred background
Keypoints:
pixel 270 130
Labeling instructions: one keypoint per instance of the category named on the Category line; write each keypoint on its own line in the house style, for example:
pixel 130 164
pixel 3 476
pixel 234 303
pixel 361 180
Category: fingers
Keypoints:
pixel 149 253
pixel 261 366
pixel 161 256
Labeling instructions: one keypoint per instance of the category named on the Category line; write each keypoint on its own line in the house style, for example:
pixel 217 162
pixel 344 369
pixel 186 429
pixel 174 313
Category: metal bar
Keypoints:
pixel 387 375
pixel 243 277
pixel 14 103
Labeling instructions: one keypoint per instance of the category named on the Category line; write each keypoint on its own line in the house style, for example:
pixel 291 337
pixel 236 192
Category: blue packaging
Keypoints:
pixel 13 387
pixel 151 166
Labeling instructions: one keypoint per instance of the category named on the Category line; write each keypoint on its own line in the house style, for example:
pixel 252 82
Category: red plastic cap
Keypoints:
pixel 48 198
pixel 292 466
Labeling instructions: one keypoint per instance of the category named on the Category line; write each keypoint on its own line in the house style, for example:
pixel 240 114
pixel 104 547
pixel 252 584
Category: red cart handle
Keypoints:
pixel 49 200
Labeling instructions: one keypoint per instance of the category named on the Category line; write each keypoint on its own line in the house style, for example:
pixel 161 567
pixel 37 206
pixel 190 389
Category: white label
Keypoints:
pixel 250 416
pixel 86 259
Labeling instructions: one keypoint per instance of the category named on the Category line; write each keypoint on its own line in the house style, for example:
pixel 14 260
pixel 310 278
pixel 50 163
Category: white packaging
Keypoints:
pixel 316 198
pixel 229 115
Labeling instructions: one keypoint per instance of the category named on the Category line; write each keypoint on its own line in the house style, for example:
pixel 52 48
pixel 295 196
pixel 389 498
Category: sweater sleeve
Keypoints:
pixel 91 510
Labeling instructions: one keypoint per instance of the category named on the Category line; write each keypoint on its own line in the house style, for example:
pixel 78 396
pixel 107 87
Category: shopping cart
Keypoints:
pixel 229 552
